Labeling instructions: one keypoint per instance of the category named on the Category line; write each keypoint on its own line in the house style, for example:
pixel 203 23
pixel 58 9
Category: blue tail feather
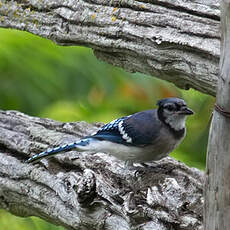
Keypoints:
pixel 51 152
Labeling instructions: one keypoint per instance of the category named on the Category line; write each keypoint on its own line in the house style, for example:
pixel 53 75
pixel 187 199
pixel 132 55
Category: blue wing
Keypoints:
pixel 113 125
pixel 111 132
pixel 143 127
pixel 138 129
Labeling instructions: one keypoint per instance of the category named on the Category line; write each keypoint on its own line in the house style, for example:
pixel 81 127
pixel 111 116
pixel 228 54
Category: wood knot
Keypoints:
pixel 86 188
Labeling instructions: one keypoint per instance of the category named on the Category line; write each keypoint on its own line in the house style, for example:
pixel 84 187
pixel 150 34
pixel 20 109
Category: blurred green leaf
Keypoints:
pixel 11 222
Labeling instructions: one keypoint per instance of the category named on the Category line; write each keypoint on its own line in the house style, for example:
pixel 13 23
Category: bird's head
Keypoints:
pixel 173 112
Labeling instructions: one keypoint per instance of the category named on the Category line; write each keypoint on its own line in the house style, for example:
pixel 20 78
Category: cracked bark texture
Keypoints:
pixel 91 191
pixel 178 41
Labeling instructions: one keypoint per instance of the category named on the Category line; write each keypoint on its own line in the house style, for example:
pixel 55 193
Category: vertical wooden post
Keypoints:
pixel 217 185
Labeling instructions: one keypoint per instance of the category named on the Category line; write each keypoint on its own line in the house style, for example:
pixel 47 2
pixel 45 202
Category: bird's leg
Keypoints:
pixel 152 165
pixel 135 170
pixel 129 165
pixel 145 165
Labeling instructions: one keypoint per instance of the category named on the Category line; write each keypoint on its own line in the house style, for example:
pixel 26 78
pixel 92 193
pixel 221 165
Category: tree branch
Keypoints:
pixel 91 191
pixel 177 41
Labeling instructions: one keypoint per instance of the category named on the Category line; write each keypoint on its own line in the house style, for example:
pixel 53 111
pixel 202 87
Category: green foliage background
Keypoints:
pixel 42 79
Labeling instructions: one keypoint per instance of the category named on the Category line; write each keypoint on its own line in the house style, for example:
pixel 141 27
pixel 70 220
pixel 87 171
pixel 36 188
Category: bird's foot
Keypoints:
pixel 153 167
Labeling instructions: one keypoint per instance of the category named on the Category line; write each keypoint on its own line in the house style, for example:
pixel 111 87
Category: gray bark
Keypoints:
pixel 217 186
pixel 91 191
pixel 174 40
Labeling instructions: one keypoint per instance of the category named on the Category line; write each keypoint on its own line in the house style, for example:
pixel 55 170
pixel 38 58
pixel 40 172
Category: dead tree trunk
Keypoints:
pixel 85 191
pixel 217 187
pixel 177 41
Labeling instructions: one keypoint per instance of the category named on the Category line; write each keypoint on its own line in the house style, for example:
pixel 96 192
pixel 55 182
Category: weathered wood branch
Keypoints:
pixel 178 41
pixel 91 191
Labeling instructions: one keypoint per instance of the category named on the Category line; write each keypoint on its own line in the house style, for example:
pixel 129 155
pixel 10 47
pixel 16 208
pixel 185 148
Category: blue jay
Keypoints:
pixel 141 137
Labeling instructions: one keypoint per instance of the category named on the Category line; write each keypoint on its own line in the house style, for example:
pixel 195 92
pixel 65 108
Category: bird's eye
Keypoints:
pixel 170 107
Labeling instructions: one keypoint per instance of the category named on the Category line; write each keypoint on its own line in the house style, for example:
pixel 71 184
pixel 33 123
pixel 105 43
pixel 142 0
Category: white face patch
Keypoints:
pixel 176 121
pixel 123 133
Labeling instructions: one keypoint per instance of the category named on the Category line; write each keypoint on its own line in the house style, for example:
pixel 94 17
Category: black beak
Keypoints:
pixel 186 111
